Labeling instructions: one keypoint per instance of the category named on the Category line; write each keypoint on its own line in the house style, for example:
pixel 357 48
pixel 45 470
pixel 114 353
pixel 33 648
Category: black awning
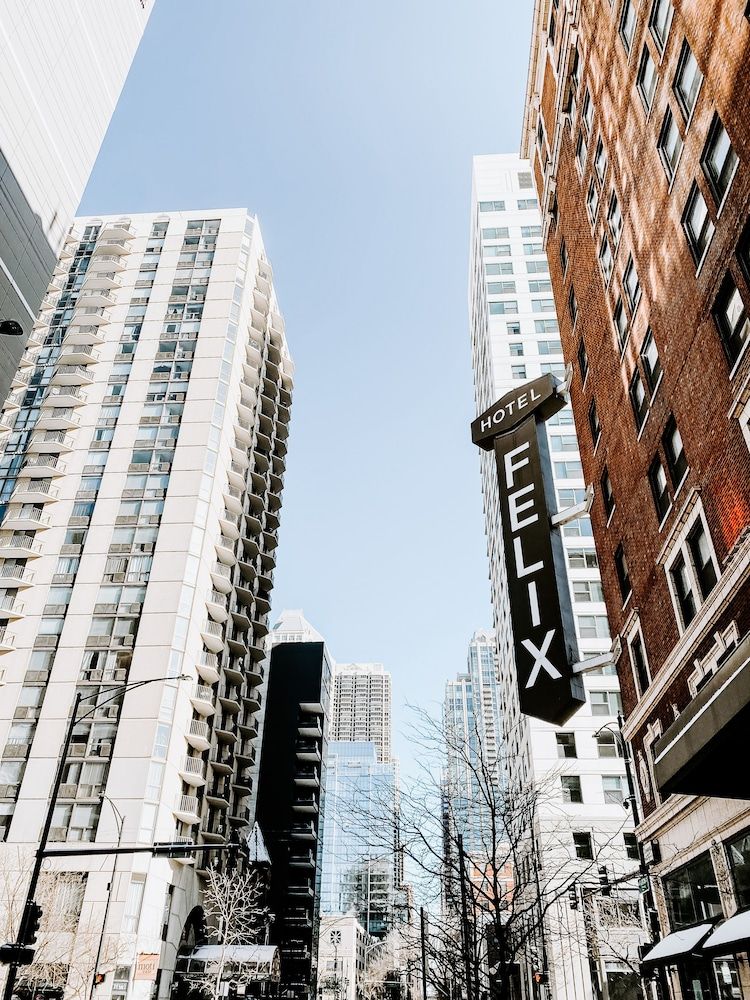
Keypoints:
pixel 677 946
pixel 704 750
pixel 730 935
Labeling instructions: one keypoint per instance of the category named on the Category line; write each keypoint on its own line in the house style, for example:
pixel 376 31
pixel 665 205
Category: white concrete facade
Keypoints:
pixel 142 478
pixel 343 946
pixel 361 708
pixel 515 337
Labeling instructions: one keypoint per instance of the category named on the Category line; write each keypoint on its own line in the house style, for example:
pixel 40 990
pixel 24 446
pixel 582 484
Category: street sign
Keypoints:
pixel 16 954
pixel 146 967
pixel 643 883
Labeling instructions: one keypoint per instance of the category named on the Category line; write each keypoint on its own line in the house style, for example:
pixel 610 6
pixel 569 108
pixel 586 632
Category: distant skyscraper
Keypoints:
pixel 140 489
pixel 515 337
pixel 362 705
pixel 472 716
pixel 50 134
pixel 358 864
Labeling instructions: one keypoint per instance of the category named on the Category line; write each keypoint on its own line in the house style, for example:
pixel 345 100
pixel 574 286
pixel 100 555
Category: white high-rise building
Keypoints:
pixel 362 705
pixel 62 68
pixel 140 491
pixel 515 337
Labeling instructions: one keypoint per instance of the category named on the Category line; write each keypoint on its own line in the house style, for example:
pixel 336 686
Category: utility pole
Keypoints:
pixel 423 936
pixel 465 917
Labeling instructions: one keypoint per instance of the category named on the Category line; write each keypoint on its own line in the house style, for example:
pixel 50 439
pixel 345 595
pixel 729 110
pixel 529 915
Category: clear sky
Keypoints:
pixel 348 127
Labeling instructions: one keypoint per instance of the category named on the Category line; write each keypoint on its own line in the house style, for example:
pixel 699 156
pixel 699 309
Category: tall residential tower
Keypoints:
pixel 140 489
pixel 362 705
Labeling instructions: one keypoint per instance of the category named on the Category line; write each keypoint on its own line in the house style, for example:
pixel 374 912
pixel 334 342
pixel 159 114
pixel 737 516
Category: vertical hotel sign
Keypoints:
pixel 544 637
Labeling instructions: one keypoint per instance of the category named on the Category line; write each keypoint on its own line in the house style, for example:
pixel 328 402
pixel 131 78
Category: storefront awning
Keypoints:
pixel 731 935
pixel 260 961
pixel 701 751
pixel 680 944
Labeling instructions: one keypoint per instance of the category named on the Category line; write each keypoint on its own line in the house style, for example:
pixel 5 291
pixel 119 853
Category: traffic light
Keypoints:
pixel 99 978
pixel 573 897
pixel 541 978
pixel 604 887
pixel 16 954
pixel 30 923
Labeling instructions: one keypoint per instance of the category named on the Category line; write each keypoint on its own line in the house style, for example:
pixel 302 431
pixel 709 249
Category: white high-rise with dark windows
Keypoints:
pixel 140 490
pixel 362 705
pixel 515 337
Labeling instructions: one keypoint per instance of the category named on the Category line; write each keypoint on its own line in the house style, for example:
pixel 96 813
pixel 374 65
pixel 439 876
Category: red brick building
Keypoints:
pixel 637 125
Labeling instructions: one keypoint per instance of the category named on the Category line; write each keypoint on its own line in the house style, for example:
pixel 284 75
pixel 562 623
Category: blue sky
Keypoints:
pixel 349 128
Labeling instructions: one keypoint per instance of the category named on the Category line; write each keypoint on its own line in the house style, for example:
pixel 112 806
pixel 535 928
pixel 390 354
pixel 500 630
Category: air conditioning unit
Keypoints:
pixel 68 791
pixel 8 791
pixel 104 750
pixel 77 750
pixel 24 712
pixel 117 577
pixel 108 712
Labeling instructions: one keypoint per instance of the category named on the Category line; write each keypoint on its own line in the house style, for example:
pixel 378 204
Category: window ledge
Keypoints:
pixel 741 357
pixel 643 425
pixel 611 515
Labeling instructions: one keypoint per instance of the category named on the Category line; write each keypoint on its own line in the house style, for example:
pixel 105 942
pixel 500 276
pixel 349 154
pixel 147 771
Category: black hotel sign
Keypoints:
pixel 544 637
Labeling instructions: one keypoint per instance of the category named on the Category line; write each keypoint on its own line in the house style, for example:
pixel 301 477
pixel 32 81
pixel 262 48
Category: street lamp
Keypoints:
pixel 120 823
pixel 112 694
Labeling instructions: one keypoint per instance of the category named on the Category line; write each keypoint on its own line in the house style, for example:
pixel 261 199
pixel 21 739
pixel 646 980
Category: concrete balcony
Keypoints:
pixel 122 229
pixel 65 396
pixel 95 297
pixel 192 770
pixel 198 735
pixel 187 809
pixel 19 547
pixel 18 518
pixel 225 550
pixel 222 577
pixel 79 354
pixel 72 375
pixel 212 634
pixel 202 700
pixel 208 668
pixel 51 443
pixel 106 262
pixel 230 524
pixel 35 491
pixel 42 467
pixel 7 642
pixel 233 498
pixel 59 418
pixel 90 316
pixel 10 608
pixel 216 603
pixel 15 576
pixel 101 280
pixel 112 248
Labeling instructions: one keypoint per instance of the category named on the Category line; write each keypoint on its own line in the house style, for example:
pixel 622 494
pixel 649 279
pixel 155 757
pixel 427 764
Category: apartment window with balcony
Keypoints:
pixel 623 573
pixel 572 306
pixel 670 144
pixel 732 321
pixel 687 81
pixel 608 496
pixel 650 360
pixel 620 319
pixel 660 21
pixel 719 160
pixel 583 845
pixel 566 745
pixel 583 360
pixel 638 399
pixel 631 284
pixel 657 479
pixel 674 452
pixel 613 787
pixel 571 789
pixel 594 425
pixel 697 223
pixel 628 19
pixel 600 160
pixel 592 201
pixel 647 78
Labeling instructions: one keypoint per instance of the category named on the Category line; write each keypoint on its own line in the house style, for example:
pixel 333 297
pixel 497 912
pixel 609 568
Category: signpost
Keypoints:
pixel 544 637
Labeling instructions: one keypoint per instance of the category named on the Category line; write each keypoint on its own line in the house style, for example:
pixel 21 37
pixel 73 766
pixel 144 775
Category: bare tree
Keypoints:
pixel 236 914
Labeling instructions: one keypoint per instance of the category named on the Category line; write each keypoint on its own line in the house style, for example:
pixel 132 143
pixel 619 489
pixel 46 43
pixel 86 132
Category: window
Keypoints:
pixel 581 152
pixel 582 559
pixel 525 181
pixel 621 324
pixel 516 350
pixel 594 426
pixel 638 661
pixel 670 144
pixel 563 442
pixel 738 855
pixel 650 361
pixel 566 744
pixel 587 112
pixel 613 787
pixel 719 160
pixel 513 329
pixel 682 587
pixel 518 371
pixel 608 496
pixel 675 452
pixel 563 256
pixel 501 250
pixel 540 286
pixel 600 161
pixel 583 360
pixel 627 24
pixel 537 267
pixel 495 233
pixel 623 574
pixel 526 204
pixel 592 201
pixel 647 78
pixel 542 305
pixel 743 251
pixel 702 557
pixel 568 470
pixel 699 229
pixel 587 592
pixel 503 308
pixel 572 306
pixel 692 893
pixel 571 788
pixel 638 399
pixel 530 249
pixel 657 480
pixel 583 846
pixel 506 267
pixel 605 702
pixel 659 22
pixel 546 326
pixel 631 284
pixel 631 846
pixel 531 232
pixel 491 206
pixel 607 744
pixel 606 261
pixel 593 627
pixel 500 287
pixel 732 320
pixel 614 219
pixel 547 347
pixel 687 81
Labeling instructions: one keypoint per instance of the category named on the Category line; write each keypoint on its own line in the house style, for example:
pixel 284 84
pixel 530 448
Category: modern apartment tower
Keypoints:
pixel 362 705
pixel 291 794
pixel 50 137
pixel 515 337
pixel 472 717
pixel 638 137
pixel 140 490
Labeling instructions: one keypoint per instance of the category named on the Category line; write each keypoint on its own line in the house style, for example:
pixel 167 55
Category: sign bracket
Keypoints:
pixel 577 510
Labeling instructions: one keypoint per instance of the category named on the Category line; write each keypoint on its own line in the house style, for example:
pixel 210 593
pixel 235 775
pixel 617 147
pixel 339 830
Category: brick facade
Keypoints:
pixel 599 49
